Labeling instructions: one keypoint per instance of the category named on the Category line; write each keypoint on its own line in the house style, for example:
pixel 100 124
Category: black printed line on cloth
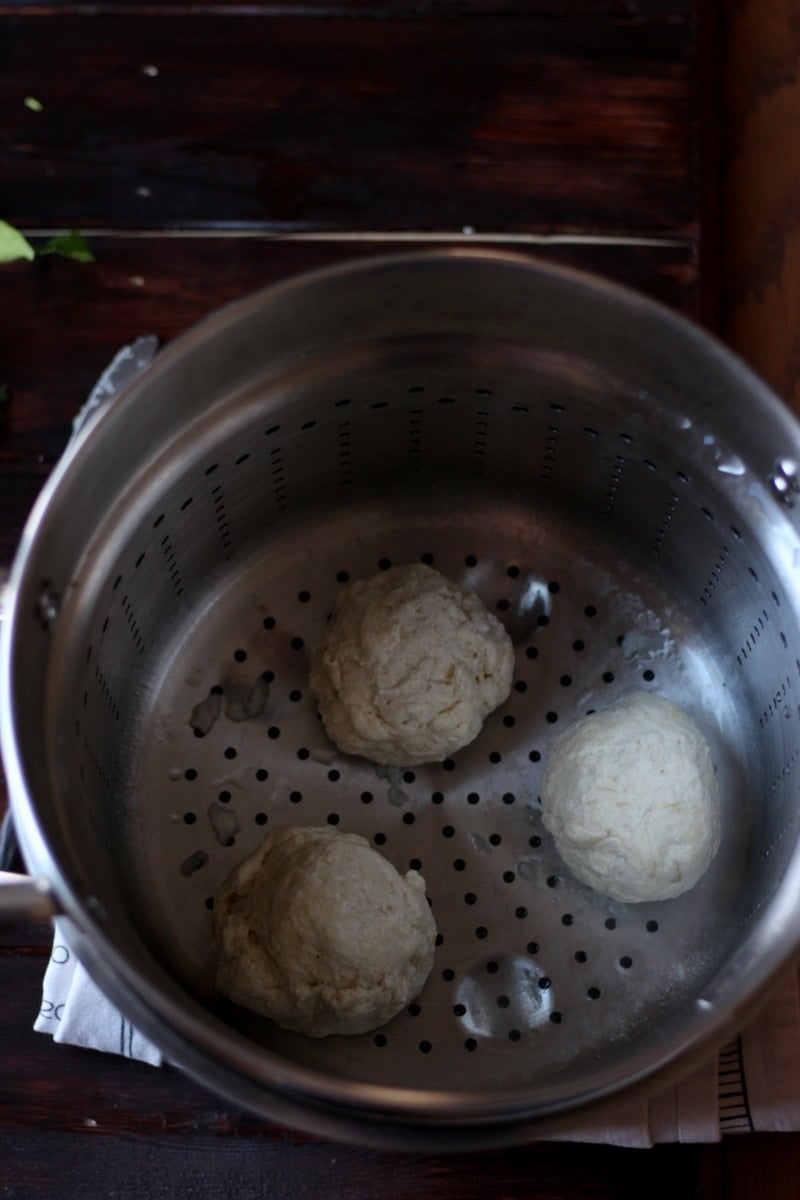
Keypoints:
pixel 51 1011
pixel 734 1106
pixel 126 1032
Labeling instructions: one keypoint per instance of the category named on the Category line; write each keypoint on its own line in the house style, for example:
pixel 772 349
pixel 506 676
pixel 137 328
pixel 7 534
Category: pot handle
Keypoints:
pixel 22 897
pixel 25 898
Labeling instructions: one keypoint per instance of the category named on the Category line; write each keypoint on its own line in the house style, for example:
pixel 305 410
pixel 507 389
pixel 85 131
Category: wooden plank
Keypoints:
pixel 760 182
pixel 329 122
pixel 70 1118
pixel 195 1168
pixel 65 320
pixel 641 10
pixel 761 1167
pixel 80 1114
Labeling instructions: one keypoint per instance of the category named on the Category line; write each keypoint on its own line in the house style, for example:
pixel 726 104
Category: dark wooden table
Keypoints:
pixel 209 148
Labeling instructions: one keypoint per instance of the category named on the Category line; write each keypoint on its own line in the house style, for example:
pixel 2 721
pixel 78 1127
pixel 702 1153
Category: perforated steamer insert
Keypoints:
pixel 577 459
pixel 523 950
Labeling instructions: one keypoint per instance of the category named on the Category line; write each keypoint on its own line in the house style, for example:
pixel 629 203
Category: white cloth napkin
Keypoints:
pixel 751 1084
pixel 75 1011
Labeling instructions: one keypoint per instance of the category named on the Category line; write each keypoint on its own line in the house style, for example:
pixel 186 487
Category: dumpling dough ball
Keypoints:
pixel 319 932
pixel 409 667
pixel 631 798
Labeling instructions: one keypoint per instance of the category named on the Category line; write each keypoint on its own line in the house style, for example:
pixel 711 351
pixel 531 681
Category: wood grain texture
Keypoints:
pixel 70 1119
pixel 258 1170
pixel 537 116
pixel 636 9
pixel 331 122
pixel 65 320
pixel 72 1122
pixel 760 188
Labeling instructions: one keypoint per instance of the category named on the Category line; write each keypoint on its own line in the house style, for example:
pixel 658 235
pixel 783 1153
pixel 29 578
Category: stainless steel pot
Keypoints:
pixel 616 486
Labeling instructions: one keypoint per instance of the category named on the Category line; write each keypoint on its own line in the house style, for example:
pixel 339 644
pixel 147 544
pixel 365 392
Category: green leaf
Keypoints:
pixel 13 245
pixel 3 394
pixel 33 104
pixel 68 245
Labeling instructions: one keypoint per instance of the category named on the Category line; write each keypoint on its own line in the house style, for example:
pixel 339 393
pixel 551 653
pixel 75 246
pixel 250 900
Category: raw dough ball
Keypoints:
pixel 631 798
pixel 409 667
pixel 319 932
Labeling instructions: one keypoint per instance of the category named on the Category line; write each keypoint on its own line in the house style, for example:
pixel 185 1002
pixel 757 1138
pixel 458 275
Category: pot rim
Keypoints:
pixel 200 1043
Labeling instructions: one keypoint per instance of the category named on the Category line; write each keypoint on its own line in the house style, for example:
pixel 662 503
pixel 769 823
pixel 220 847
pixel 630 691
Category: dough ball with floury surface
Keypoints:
pixel 409 667
pixel 631 798
pixel 319 932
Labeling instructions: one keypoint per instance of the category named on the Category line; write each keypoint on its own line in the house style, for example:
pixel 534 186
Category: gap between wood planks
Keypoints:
pixel 632 13
pixel 465 237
